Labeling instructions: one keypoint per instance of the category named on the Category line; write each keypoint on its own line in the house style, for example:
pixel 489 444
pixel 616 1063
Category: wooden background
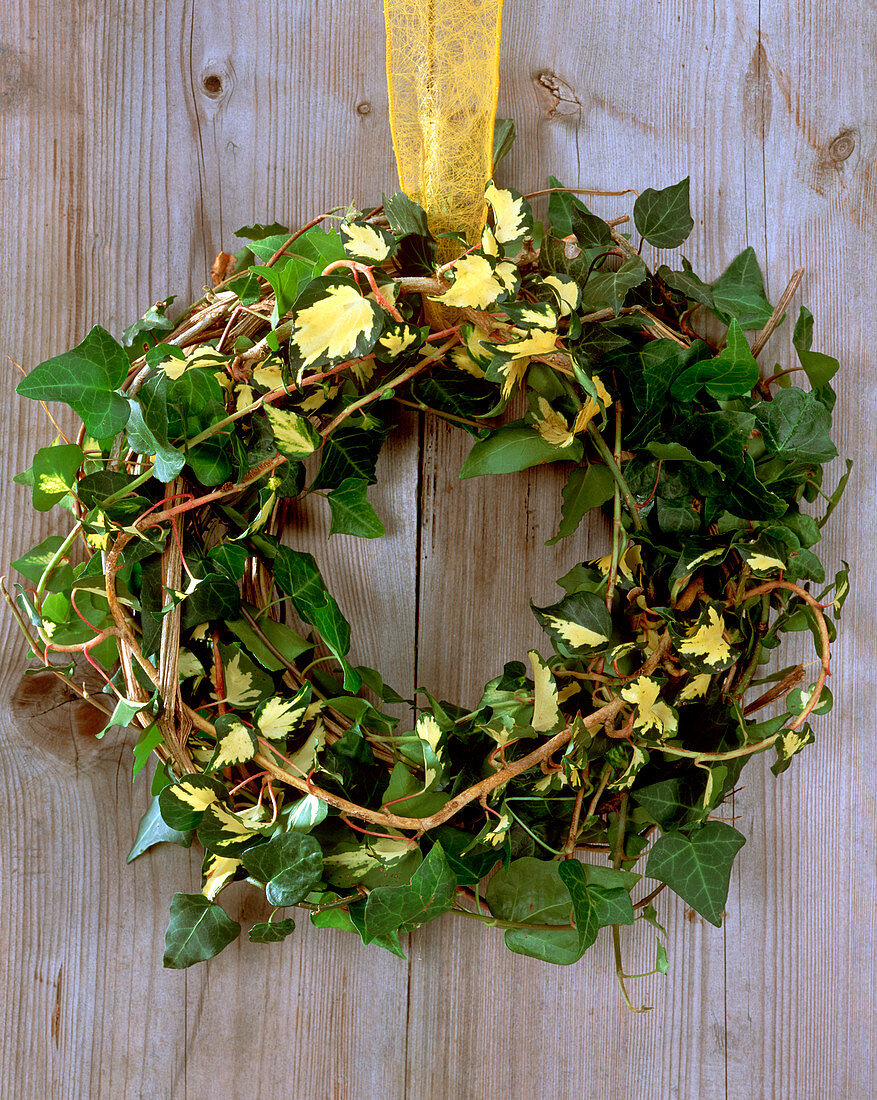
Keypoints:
pixel 135 138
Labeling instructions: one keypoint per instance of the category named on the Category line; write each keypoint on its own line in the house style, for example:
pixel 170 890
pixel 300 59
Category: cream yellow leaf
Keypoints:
pixel 233 829
pixel 395 342
pixel 244 397
pixel 235 745
pixel 216 873
pixel 695 688
pixel 536 342
pixel 428 730
pixel 552 425
pixel 293 434
pixel 364 242
pixel 651 711
pixel 277 718
pixel 567 291
pixel 496 834
pixel 463 361
pixel 268 374
pixel 638 759
pixel 546 713
pixel 592 408
pixel 508 275
pixel 305 758
pixel 631 557
pixel 384 852
pixel 196 798
pixel 474 284
pixel 489 243
pixel 762 562
pixel 576 635
pixel 240 691
pixel 334 325
pixel 513 373
pixel 707 641
pixel 509 212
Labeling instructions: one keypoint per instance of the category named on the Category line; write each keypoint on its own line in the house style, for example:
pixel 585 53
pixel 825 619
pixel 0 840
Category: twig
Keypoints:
pixel 782 305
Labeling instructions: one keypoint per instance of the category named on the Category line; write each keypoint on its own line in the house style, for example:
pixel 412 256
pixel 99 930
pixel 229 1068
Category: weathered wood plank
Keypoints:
pixel 129 172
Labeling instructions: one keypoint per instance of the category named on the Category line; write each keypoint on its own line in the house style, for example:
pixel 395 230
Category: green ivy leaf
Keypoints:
pixel 33 564
pixel 503 138
pixel 739 293
pixel 732 373
pixel 291 865
pixel 349 453
pixel 512 448
pixel 271 931
pixel 352 514
pixel 795 425
pixel 147 429
pixel 148 740
pixel 685 282
pixel 610 288
pixel 588 487
pixel 698 868
pixel 54 474
pixel 153 830
pixel 594 906
pixel 198 930
pixel 664 217
pixel 531 891
pixel 820 369
pixel 84 378
pixel 431 892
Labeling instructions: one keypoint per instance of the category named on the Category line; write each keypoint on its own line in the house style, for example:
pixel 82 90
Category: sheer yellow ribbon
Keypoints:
pixel 443 77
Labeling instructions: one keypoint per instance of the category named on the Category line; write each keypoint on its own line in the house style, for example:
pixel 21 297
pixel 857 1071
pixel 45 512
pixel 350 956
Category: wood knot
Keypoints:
pixel 216 81
pixel 212 85
pixel 842 147
pixel 558 96
pixel 364 108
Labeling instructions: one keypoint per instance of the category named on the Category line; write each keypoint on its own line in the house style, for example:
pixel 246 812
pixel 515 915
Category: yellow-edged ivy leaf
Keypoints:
pixel 277 717
pixel 294 435
pixel 333 322
pixel 198 930
pixel 235 744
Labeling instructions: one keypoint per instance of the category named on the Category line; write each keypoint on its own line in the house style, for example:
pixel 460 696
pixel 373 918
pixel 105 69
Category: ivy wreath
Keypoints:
pixel 225 648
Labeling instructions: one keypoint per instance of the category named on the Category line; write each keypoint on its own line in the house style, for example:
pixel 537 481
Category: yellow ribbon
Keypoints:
pixel 443 78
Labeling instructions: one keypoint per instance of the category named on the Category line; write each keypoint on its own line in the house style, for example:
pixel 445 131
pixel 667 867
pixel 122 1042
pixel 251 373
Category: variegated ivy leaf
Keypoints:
pixel 696 688
pixel 235 744
pixel 294 435
pixel 182 804
pixel 527 315
pixel 226 833
pixel 217 872
pixel 513 218
pixel 399 339
pixel 761 564
pixel 535 342
pixel 591 408
pixel 631 559
pixel 579 622
pixel 244 683
pixel 632 764
pixel 368 244
pixel 475 284
pixel 546 712
pixel 567 292
pixel 188 666
pixel 332 321
pixel 304 760
pixel 278 717
pixel 351 863
pixel 307 813
pixel 789 744
pixel 651 712
pixel 551 424
pixel 704 647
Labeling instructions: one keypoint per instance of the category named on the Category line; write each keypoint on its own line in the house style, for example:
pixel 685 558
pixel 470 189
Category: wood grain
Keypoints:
pixel 134 140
